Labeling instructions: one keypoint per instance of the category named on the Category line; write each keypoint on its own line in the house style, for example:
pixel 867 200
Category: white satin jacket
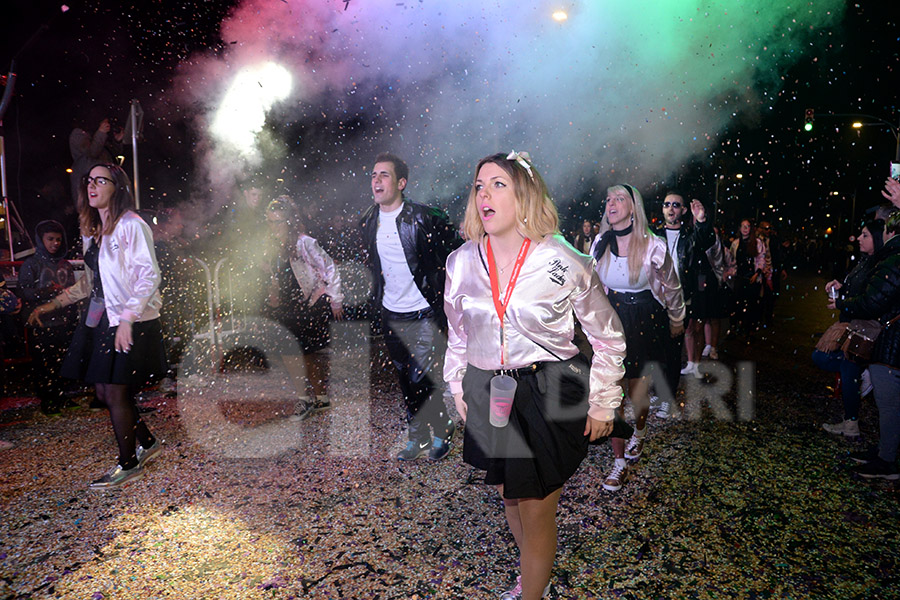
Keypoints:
pixel 555 284
pixel 315 271
pixel 128 271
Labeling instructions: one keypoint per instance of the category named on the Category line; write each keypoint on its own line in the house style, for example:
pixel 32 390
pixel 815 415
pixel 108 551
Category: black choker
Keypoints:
pixel 608 240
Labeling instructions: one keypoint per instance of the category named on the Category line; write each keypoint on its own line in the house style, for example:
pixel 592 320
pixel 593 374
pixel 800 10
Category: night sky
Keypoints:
pixel 91 60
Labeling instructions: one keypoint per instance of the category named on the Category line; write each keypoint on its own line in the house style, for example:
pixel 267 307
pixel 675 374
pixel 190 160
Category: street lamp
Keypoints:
pixel 876 122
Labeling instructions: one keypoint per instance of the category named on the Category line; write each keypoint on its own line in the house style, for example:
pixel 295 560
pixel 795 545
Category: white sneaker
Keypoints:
pixel 665 410
pixel 692 368
pixel 706 350
pixel 846 428
pixel 865 384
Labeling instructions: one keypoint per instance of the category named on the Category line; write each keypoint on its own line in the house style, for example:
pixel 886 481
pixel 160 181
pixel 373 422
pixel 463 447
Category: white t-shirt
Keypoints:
pixel 400 292
pixel 672 236
pixel 615 276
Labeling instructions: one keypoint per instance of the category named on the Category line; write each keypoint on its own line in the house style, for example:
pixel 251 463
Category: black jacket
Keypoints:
pixel 856 281
pixel 428 238
pixel 881 301
pixel 691 258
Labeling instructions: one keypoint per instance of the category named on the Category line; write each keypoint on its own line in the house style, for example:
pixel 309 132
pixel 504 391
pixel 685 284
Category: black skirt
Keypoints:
pixel 646 324
pixel 309 324
pixel 92 356
pixel 544 442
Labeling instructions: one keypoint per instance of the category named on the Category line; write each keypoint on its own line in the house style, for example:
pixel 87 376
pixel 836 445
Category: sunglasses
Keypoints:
pixel 99 180
pixel 672 204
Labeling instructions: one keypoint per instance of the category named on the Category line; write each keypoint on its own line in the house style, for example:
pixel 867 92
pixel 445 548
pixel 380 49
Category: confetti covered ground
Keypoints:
pixel 245 503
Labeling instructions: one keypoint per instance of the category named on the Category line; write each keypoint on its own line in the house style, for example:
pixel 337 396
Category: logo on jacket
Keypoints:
pixel 114 245
pixel 557 271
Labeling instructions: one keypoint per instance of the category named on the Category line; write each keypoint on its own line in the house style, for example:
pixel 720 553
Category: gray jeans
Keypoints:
pixel 886 385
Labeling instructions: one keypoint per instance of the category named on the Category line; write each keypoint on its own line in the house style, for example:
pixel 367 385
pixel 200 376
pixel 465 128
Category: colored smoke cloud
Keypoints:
pixel 619 91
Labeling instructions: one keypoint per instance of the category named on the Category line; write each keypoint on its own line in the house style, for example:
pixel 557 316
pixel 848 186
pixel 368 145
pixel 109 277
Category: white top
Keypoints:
pixel 615 276
pixel 672 236
pixel 400 291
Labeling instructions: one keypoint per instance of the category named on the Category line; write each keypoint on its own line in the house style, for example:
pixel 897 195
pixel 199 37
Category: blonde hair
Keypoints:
pixel 640 235
pixel 536 213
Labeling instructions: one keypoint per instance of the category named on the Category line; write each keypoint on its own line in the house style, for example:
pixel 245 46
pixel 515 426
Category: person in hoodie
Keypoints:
pixel 42 277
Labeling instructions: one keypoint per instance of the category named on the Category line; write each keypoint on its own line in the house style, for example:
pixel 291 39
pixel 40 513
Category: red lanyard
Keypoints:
pixel 495 284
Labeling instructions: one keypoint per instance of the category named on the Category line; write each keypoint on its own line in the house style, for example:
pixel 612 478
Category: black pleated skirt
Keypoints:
pixel 544 442
pixel 92 356
pixel 646 324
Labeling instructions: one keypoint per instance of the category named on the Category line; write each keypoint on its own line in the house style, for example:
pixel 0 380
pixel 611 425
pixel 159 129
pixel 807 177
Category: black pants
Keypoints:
pixel 416 347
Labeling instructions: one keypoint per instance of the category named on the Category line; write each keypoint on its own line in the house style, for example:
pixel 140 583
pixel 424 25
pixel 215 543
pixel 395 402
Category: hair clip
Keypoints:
pixel 524 160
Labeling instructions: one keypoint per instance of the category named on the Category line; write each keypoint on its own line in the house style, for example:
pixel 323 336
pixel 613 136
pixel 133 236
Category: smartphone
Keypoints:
pixel 895 171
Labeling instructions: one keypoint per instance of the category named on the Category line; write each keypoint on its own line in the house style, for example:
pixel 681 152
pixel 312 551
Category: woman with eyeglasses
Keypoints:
pixel 635 267
pixel 118 343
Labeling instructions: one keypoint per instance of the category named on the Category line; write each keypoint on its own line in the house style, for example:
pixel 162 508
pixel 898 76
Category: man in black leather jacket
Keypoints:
pixel 881 301
pixel 687 245
pixel 407 245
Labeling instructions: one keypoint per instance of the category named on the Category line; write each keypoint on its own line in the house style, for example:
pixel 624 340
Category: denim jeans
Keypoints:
pixel 886 385
pixel 836 362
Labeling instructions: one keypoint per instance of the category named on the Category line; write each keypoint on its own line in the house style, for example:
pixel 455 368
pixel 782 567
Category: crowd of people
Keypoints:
pixel 490 312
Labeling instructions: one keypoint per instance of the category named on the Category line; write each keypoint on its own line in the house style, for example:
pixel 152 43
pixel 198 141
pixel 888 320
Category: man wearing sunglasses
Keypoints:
pixel 687 245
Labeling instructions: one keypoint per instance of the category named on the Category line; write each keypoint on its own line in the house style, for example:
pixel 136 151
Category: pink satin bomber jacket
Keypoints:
pixel 556 284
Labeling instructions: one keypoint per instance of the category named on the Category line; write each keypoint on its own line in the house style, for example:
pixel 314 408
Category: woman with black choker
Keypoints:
pixel 635 267
pixel 512 293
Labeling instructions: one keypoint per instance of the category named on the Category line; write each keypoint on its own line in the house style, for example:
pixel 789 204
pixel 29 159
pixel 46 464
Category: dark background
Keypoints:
pixel 89 62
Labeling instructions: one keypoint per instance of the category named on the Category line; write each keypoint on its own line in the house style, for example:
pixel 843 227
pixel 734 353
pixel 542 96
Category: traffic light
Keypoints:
pixel 808 121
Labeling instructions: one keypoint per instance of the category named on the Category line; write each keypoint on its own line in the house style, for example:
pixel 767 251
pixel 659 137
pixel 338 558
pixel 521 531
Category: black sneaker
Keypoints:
pixel 414 450
pixel 864 456
pixel 439 449
pixel 878 469
pixel 302 410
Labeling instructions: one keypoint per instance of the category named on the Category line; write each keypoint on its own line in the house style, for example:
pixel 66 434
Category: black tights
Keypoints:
pixel 127 424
